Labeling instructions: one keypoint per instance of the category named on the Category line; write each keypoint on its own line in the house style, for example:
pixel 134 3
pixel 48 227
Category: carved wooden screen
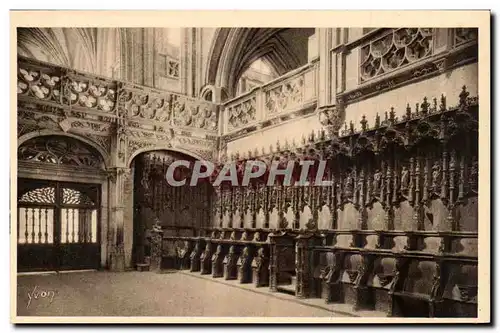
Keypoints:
pixel 60 150
pixel 183 207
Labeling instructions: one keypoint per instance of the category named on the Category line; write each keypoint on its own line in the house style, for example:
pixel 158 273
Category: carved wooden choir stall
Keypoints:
pixel 396 232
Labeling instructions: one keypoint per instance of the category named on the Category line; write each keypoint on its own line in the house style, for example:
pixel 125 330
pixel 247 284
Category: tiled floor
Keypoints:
pixel 152 294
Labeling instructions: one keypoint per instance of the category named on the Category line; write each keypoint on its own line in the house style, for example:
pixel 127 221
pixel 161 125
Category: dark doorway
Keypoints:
pixel 58 225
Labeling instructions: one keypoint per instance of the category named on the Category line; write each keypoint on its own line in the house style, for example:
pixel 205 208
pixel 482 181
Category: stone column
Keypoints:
pixel 303 261
pixel 156 241
pixel 117 178
pixel 118 174
pixel 325 66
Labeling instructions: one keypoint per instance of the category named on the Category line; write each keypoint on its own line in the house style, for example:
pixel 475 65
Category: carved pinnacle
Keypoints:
pixel 364 123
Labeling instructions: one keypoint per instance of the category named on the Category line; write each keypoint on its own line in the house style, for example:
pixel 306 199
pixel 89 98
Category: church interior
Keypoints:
pixel 103 112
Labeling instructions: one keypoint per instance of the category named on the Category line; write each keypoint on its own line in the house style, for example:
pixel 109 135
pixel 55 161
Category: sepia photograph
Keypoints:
pixel 312 173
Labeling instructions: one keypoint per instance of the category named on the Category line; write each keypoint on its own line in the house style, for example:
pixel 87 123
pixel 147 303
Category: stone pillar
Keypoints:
pixel 118 174
pixel 148 51
pixel 156 241
pixel 117 178
pixel 325 66
pixel 273 267
pixel 305 287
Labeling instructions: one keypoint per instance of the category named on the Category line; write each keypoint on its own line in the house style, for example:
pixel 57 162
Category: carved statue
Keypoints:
pixel 244 236
pixel 436 177
pixel 348 185
pixel 217 253
pixel 256 237
pixel 260 268
pixel 243 261
pixel 206 260
pixel 473 174
pixel 195 251
pixel 260 256
pixel 405 178
pixel 182 250
pixel 376 183
pixel 207 249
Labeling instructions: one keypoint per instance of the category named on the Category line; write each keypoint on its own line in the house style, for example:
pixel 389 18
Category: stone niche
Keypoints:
pixel 248 219
pixel 236 221
pixel 273 219
pixel 260 219
pixel 420 277
pixel 324 218
pixel 305 216
pixel 403 217
pixel 467 215
pixel 435 216
pixel 348 217
pixel 376 217
pixel 462 283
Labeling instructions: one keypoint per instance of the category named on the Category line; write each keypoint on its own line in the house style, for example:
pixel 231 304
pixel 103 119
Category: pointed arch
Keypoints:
pixel 163 147
pixel 32 135
pixel 233 50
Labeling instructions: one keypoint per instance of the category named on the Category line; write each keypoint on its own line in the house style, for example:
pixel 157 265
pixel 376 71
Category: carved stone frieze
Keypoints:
pixel 285 96
pixel 134 145
pixel 65 87
pixel 241 114
pixel 140 104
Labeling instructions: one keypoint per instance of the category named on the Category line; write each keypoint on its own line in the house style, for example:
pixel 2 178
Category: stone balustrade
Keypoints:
pixel 282 97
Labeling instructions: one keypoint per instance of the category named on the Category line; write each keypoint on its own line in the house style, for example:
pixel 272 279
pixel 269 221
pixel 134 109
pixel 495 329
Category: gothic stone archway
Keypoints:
pixel 59 215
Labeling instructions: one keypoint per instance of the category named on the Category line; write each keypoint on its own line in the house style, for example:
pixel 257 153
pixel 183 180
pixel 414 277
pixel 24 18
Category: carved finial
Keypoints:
pixel 322 134
pixel 425 106
pixel 237 156
pixel 392 116
pixel 311 137
pixel 278 146
pixel 364 123
pixel 434 104
pixel 377 121
pixel 442 105
pixel 287 146
pixel 303 139
pixel 244 155
pixel 255 152
pixel 408 111
pixel 271 148
pixel 345 127
pixel 463 98
pixel 263 151
pixel 386 117
pixel 351 127
pixel 294 144
pixel 232 157
pixel 416 109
